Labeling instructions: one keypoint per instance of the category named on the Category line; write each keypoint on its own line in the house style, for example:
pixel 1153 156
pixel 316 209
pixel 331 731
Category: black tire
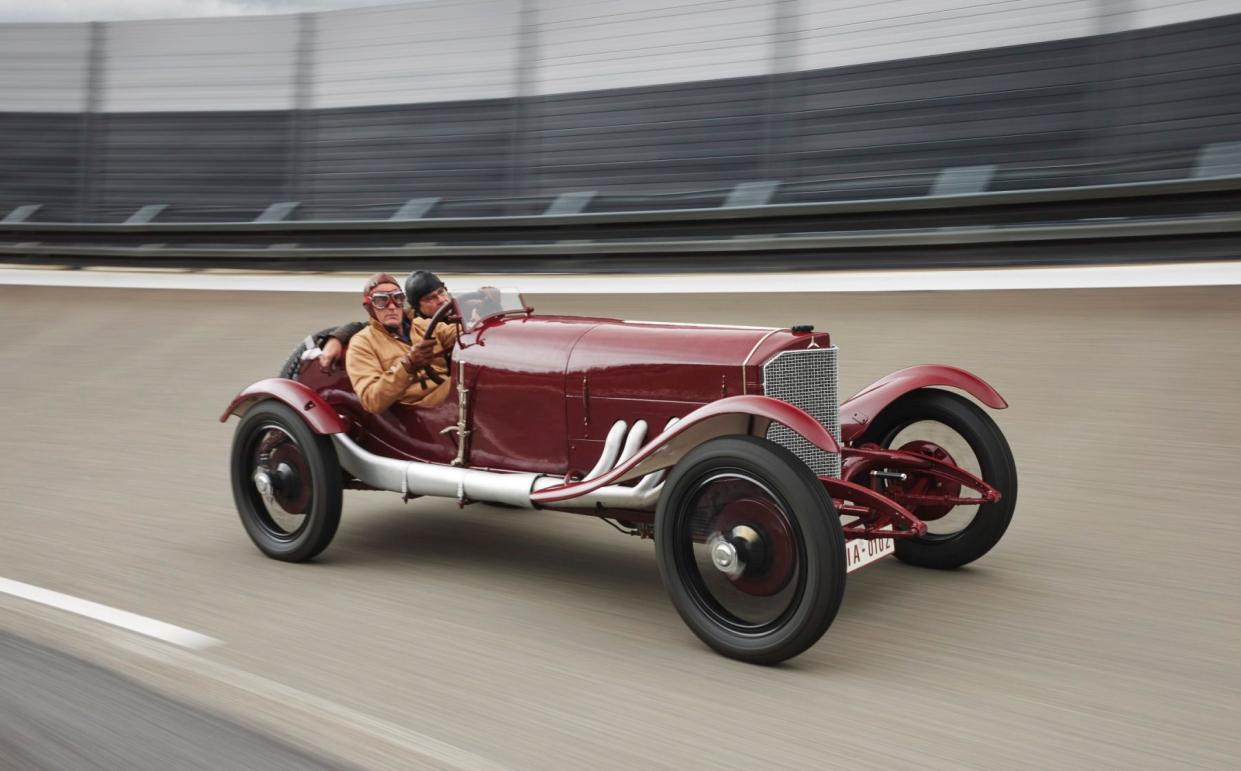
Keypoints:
pixel 945 551
pixel 320 514
pixel 812 537
pixel 293 365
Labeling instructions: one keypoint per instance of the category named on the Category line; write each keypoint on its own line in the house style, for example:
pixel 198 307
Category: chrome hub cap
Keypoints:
pixel 724 556
pixel 263 482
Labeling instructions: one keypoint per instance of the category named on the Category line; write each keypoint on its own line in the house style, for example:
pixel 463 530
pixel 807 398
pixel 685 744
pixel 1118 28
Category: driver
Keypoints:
pixel 426 294
pixel 384 366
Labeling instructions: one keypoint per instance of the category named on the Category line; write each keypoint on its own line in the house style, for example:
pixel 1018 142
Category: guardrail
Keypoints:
pixel 1181 219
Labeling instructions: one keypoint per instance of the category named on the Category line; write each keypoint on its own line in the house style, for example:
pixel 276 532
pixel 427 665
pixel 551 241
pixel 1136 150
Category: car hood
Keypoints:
pixel 636 359
pixel 682 362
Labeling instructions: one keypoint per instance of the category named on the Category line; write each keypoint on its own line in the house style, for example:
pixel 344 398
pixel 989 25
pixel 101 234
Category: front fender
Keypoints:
pixel 734 415
pixel 317 413
pixel 857 412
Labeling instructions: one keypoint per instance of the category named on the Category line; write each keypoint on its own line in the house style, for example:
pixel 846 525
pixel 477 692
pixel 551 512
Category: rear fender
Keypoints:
pixel 317 413
pixel 859 410
pixel 734 415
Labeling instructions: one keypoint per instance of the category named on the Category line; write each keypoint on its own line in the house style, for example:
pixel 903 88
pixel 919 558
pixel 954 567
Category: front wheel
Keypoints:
pixel 953 429
pixel 750 549
pixel 286 483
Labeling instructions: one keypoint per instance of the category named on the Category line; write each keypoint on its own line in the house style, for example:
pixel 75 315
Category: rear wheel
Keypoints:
pixel 750 549
pixel 952 428
pixel 286 483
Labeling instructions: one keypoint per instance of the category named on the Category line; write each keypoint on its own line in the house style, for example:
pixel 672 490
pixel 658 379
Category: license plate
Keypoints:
pixel 860 552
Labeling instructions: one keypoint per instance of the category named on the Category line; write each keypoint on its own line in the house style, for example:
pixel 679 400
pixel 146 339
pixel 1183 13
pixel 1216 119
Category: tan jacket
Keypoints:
pixel 380 379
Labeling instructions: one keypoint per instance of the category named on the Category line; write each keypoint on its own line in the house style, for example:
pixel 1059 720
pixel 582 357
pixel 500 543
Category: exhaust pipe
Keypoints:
pixel 410 478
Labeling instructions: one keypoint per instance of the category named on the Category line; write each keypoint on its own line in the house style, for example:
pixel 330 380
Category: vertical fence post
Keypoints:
pixel 1107 138
pixel 778 134
pixel 91 126
pixel 296 172
pixel 524 77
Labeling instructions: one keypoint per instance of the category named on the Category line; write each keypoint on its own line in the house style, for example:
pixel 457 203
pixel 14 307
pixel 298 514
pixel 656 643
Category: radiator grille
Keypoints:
pixel 806 379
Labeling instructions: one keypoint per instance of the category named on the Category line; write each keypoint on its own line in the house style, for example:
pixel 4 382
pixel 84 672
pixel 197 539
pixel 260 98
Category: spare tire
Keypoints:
pixel 293 365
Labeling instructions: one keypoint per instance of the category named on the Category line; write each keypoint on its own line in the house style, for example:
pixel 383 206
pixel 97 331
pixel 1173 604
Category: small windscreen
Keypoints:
pixel 476 305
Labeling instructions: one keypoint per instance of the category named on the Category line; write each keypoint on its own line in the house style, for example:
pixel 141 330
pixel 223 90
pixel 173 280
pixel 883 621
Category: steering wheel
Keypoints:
pixel 445 313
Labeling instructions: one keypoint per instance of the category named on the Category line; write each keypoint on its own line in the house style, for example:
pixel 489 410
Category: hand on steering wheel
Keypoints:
pixel 447 312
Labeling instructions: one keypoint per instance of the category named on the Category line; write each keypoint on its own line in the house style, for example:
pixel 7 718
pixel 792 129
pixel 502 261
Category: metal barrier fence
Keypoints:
pixel 1187 219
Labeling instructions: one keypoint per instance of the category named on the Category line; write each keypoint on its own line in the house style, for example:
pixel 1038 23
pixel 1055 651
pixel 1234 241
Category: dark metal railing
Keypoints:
pixel 1181 219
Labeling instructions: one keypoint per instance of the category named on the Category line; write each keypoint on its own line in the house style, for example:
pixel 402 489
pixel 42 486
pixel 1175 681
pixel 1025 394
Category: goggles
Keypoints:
pixel 380 300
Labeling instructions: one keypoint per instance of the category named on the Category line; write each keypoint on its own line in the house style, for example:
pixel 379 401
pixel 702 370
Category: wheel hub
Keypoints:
pixel 753 546
pixel 724 556
pixel 282 480
pixel 263 482
pixel 738 550
pixel 923 484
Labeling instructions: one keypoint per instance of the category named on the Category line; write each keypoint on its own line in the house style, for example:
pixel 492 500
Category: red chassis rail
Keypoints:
pixel 881 516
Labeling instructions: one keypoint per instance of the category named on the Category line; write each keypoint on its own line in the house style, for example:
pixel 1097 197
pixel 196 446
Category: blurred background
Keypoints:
pixel 900 174
pixel 497 106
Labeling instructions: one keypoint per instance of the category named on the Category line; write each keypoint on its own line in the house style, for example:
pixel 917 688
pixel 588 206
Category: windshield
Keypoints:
pixel 485 302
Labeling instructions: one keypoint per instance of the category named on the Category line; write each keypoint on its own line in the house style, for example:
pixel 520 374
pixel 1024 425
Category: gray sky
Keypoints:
pixel 116 10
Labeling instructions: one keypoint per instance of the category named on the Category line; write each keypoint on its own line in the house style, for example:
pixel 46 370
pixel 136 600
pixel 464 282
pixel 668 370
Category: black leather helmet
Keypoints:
pixel 419 284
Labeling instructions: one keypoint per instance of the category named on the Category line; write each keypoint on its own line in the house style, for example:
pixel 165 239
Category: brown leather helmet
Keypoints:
pixel 369 287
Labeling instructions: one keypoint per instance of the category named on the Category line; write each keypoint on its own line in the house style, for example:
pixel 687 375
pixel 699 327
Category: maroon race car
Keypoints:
pixel 726 445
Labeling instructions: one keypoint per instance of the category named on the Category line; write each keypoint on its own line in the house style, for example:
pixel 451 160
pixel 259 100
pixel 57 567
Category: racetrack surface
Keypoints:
pixel 65 714
pixel 1101 633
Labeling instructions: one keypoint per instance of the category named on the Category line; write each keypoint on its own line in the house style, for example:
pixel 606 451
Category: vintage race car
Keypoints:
pixel 725 445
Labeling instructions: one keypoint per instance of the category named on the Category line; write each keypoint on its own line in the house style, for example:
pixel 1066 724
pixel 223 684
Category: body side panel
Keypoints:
pixel 515 368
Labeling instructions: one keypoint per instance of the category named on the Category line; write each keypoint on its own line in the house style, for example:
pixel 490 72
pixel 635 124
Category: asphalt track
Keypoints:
pixel 1103 631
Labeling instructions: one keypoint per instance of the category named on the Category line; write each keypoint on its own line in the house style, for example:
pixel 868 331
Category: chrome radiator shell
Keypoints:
pixel 807 379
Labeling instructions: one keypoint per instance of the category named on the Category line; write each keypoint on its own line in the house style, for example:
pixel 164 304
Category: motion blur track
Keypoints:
pixel 1100 633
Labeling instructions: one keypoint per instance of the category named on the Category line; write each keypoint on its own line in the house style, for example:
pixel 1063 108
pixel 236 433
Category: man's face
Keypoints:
pixel 431 301
pixel 389 315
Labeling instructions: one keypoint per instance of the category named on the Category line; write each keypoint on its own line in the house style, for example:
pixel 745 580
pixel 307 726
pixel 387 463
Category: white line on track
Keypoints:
pixel 120 618
pixel 324 716
pixel 1085 277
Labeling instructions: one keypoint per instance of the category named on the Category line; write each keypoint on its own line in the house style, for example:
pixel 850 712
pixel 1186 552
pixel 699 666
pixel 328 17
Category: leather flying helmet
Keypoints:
pixel 419 284
pixel 372 282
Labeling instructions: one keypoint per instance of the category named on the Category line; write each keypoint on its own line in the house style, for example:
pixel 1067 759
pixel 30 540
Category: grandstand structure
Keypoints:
pixel 469 108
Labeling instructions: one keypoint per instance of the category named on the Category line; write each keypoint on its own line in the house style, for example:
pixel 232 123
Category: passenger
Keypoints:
pixel 332 344
pixel 383 365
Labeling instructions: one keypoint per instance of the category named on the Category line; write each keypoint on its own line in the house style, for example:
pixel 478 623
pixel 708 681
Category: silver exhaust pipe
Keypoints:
pixel 611 451
pixel 410 478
